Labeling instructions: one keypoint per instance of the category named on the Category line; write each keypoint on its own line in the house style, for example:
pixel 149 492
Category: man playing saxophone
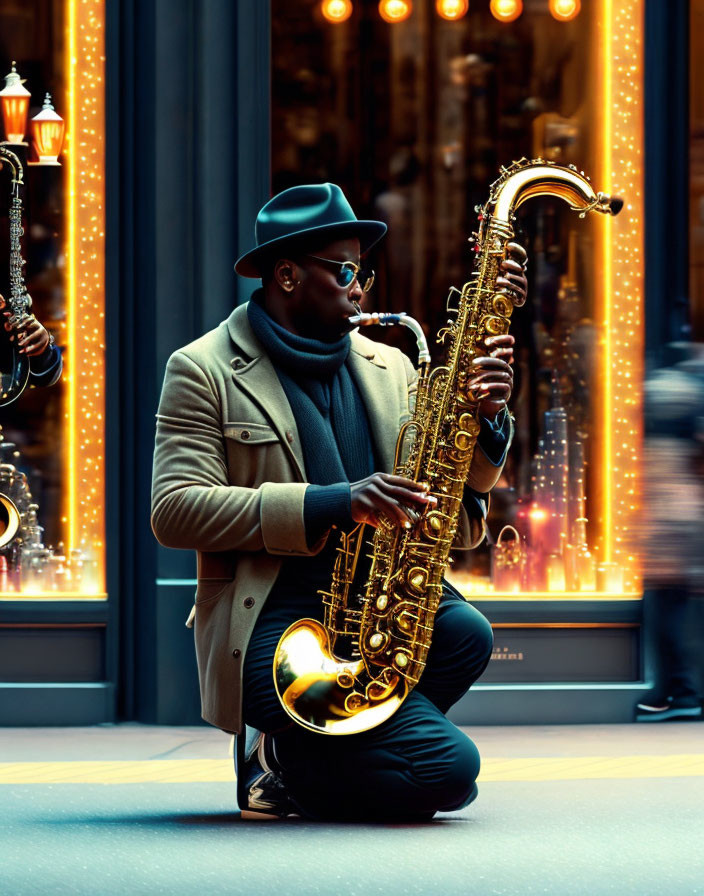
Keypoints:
pixel 275 431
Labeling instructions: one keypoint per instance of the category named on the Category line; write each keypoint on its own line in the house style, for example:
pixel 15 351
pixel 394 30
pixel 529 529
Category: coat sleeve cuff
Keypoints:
pixel 494 437
pixel 282 518
pixel 45 369
pixel 325 506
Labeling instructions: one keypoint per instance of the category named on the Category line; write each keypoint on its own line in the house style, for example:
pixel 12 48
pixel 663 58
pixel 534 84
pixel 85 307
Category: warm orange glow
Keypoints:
pixel 620 286
pixel 84 360
pixel 393 11
pixel 15 105
pixel 48 134
pixel 506 10
pixel 564 10
pixel 452 9
pixel 336 11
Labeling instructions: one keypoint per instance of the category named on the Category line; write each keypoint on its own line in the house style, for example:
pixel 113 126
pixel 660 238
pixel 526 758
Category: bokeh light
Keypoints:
pixel 336 11
pixel 452 9
pixel 506 10
pixel 564 10
pixel 393 11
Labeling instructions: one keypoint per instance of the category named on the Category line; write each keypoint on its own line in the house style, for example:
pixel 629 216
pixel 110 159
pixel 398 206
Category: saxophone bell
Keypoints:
pixel 9 519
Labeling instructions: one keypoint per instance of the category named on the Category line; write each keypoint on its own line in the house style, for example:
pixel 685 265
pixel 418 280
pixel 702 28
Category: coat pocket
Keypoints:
pixel 209 590
pixel 250 433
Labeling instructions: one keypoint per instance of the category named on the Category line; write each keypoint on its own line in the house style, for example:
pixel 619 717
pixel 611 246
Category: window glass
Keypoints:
pixel 51 453
pixel 414 120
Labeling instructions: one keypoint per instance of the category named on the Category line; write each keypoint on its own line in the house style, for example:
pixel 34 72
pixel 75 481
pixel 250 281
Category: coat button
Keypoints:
pixel 289 435
pixel 249 602
pixel 246 434
pixel 236 652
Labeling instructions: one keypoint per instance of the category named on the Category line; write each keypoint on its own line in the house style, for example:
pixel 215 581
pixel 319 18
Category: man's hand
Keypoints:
pixel 400 500
pixel 492 383
pixel 514 278
pixel 32 337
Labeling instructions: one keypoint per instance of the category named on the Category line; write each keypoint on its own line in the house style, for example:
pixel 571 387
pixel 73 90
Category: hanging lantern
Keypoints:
pixel 15 105
pixel 393 11
pixel 564 10
pixel 336 11
pixel 506 10
pixel 452 9
pixel 48 133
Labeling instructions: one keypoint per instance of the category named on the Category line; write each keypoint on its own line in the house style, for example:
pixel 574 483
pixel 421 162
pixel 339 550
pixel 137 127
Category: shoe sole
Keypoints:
pixel 684 712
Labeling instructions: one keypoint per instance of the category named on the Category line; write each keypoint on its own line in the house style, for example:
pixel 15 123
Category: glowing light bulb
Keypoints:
pixel 564 10
pixel 336 11
pixel 48 133
pixel 452 9
pixel 15 104
pixel 506 10
pixel 393 11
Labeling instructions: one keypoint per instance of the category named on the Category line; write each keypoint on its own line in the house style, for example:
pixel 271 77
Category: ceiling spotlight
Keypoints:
pixel 506 10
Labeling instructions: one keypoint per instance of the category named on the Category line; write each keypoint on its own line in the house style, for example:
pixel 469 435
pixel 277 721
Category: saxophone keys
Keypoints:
pixel 345 679
pixel 418 578
pixel 377 641
pixel 401 660
pixel 382 601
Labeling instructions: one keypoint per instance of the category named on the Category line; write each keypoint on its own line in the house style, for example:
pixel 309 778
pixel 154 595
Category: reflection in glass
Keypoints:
pixel 414 121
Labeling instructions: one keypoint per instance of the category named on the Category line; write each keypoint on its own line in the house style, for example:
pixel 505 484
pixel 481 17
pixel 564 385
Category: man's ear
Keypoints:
pixel 285 274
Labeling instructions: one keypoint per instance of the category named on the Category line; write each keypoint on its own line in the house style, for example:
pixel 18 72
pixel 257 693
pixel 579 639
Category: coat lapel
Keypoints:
pixel 372 379
pixel 254 374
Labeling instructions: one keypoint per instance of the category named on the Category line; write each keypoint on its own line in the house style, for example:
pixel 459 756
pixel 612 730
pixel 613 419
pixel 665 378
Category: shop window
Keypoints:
pixel 52 448
pixel 414 119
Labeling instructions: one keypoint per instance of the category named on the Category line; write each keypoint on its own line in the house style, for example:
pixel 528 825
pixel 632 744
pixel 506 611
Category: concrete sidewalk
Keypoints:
pixel 138 809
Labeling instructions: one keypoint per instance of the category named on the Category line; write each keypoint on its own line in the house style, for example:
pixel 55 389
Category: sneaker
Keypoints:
pixel 669 708
pixel 261 792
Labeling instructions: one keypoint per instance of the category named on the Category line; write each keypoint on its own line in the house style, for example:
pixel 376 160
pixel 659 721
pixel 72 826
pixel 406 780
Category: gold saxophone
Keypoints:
pixel 14 367
pixel 388 632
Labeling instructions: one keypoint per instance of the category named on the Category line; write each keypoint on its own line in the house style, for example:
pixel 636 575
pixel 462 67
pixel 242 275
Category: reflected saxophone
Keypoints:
pixel 14 369
pixel 386 632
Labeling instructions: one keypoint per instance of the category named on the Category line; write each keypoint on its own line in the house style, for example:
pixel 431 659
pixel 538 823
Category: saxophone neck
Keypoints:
pixel 388 320
pixel 526 180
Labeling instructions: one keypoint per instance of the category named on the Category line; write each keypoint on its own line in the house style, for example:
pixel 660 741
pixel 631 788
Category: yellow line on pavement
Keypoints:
pixel 203 771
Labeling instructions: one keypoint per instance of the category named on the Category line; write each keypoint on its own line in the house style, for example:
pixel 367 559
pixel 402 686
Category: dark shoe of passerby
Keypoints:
pixel 669 708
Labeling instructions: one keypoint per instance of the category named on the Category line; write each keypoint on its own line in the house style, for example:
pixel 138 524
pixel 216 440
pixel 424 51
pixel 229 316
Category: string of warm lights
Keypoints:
pixel 395 11
pixel 84 474
pixel 621 286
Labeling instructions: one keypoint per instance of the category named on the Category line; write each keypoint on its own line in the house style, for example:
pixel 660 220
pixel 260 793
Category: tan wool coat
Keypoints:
pixel 229 482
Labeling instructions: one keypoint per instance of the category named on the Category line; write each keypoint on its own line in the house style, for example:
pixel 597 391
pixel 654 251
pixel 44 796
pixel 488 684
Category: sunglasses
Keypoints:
pixel 347 271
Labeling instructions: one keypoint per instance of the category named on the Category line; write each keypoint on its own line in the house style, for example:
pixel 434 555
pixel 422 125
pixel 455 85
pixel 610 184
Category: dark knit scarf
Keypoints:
pixel 329 412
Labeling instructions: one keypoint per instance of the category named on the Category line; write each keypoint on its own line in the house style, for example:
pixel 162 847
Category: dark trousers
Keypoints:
pixel 414 764
pixel 676 671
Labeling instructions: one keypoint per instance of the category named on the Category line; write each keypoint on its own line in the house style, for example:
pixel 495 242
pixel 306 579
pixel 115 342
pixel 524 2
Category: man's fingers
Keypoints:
pixel 406 496
pixel 402 481
pixel 490 362
pixel 498 391
pixel 516 250
pixel 509 264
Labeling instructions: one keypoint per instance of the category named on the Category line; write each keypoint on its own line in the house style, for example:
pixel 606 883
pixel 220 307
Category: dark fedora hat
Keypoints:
pixel 304 214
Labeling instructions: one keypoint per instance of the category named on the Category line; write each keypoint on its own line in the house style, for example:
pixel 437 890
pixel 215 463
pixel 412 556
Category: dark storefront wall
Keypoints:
pixel 187 174
pixel 187 169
